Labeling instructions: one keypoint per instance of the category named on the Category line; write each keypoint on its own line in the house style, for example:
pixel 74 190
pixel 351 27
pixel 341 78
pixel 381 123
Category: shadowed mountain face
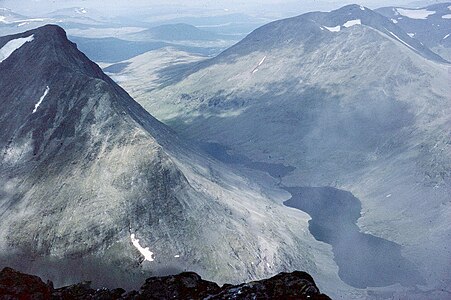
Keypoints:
pixel 347 98
pixel 90 182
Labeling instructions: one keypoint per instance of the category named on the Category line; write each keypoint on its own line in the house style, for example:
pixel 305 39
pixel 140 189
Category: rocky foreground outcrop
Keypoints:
pixel 187 285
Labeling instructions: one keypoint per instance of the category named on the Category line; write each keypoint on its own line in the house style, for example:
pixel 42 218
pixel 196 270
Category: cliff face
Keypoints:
pixel 188 285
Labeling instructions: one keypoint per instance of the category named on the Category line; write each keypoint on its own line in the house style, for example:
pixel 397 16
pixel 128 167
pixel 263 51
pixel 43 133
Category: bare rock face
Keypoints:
pixel 295 285
pixel 187 285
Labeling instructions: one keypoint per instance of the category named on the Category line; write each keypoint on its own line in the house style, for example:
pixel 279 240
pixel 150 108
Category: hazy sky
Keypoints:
pixel 283 7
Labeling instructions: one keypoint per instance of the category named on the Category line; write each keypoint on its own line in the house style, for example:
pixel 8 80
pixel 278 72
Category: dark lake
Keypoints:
pixel 364 260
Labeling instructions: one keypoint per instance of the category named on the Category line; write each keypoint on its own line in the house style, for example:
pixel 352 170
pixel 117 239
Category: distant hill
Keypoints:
pixel 431 25
pixel 115 50
pixel 179 32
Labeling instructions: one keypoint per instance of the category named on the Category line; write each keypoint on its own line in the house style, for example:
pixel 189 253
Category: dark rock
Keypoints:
pixel 15 285
pixel 295 285
pixel 76 291
pixel 187 285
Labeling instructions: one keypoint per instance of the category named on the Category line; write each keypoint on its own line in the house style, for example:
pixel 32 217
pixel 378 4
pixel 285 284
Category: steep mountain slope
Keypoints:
pixel 142 73
pixel 351 101
pixel 430 25
pixel 93 187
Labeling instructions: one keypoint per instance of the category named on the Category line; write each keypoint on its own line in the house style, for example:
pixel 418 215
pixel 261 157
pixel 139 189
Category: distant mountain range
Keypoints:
pixel 112 40
pixel 179 32
pixel 112 50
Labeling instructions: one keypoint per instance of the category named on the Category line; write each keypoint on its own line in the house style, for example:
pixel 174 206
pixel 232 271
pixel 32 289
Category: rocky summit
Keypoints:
pixel 187 285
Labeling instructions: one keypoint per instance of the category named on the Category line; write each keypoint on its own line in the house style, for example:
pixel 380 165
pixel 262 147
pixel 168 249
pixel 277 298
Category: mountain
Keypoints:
pixel 235 24
pixel 113 50
pixel 431 25
pixel 11 21
pixel 7 16
pixel 74 12
pixel 184 35
pixel 93 187
pixel 75 20
pixel 147 67
pixel 179 32
pixel 350 101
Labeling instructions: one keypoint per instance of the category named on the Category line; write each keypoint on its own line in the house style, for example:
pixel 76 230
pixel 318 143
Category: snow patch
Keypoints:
pixel 446 16
pixel 394 21
pixel 259 64
pixel 411 34
pixel 148 255
pixel 352 23
pixel 388 196
pixel 446 36
pixel 333 29
pixel 362 8
pixel 177 256
pixel 12 46
pixel 47 89
pixel 396 37
pixel 3 20
pixel 421 14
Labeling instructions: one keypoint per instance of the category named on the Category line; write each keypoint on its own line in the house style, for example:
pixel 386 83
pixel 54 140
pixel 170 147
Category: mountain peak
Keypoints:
pixel 319 27
pixel 40 68
pixel 50 48
pixel 44 33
